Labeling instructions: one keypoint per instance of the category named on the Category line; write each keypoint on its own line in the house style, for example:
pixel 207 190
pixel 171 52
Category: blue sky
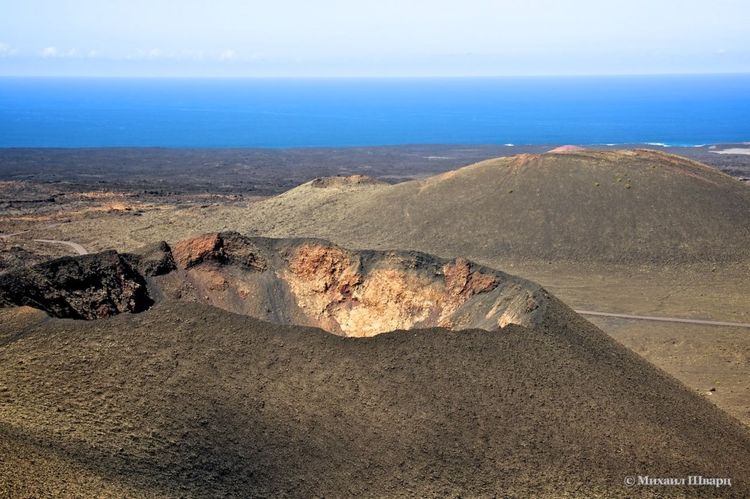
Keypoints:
pixel 372 38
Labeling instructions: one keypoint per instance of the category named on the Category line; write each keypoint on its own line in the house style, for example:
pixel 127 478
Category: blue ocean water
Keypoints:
pixel 676 110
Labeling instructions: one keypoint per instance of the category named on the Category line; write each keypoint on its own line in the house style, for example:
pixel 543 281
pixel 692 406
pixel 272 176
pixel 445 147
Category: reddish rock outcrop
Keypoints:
pixel 463 281
pixel 193 251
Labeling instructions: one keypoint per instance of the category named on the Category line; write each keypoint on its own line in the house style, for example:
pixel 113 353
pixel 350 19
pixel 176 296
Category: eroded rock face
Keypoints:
pixel 84 287
pixel 334 288
pixel 351 293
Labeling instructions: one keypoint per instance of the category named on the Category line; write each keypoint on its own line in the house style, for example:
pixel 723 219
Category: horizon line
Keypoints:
pixel 364 77
pixel 655 146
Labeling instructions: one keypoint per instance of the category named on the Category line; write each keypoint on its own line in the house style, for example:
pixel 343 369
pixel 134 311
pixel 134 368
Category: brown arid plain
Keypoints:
pixel 207 367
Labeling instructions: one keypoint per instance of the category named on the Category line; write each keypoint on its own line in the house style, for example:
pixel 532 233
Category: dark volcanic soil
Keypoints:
pixel 158 171
pixel 188 400
pixel 163 171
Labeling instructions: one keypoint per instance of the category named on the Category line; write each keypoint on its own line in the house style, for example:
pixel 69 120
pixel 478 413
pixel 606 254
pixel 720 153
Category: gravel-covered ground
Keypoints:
pixel 188 400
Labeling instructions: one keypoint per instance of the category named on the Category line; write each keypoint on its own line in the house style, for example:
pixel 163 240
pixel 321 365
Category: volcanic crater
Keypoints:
pixel 308 282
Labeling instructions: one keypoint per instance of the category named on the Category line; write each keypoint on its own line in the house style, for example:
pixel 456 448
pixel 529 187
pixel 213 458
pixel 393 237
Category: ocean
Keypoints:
pixel 80 112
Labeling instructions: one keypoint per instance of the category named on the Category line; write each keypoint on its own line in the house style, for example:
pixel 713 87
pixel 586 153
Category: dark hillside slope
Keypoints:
pixel 190 400
pixel 625 206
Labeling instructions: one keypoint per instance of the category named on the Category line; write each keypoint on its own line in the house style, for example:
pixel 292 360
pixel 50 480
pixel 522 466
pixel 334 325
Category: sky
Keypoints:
pixel 372 38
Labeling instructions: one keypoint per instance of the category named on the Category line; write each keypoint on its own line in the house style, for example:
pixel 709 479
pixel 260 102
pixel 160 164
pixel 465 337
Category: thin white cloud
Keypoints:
pixel 49 52
pixel 227 55
pixel 6 50
pixel 147 54
pixel 54 52
pixel 191 55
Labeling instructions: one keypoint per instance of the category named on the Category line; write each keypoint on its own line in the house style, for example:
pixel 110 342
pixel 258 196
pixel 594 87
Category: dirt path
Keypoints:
pixel 663 319
pixel 76 247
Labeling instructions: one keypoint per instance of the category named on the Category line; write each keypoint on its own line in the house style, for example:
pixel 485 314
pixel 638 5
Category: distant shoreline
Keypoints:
pixel 717 147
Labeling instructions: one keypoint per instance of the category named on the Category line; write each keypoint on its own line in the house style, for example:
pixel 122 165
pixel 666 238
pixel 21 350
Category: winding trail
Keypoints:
pixel 663 319
pixel 75 246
